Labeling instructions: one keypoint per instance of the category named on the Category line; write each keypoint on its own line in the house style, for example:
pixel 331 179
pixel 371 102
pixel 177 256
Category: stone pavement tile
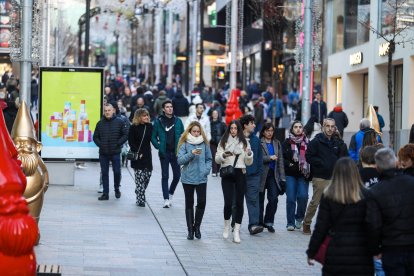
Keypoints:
pixel 78 231
pixel 265 253
pixel 119 237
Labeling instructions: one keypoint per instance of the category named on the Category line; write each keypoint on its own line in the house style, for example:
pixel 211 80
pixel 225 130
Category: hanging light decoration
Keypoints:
pixel 16 40
pixel 316 38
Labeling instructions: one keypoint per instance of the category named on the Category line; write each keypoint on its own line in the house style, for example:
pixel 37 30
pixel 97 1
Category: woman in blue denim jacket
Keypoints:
pixel 194 156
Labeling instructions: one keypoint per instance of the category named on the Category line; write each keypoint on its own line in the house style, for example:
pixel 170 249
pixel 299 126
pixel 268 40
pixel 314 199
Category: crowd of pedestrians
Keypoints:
pixel 363 193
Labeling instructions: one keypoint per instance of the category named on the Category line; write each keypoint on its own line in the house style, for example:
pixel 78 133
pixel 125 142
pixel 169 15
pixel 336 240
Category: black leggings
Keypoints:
pixel 230 185
pixel 201 190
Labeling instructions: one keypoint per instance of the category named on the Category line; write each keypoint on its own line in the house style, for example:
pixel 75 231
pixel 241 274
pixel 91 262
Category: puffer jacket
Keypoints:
pixel 347 252
pixel 110 135
pixel 234 146
pixel 196 168
pixel 390 213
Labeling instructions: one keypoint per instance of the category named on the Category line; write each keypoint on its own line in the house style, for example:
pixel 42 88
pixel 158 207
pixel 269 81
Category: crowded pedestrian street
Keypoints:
pixel 116 237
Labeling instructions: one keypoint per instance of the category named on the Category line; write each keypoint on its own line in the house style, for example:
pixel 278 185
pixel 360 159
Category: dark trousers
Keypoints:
pixel 104 160
pixel 215 166
pixel 201 190
pixel 170 158
pixel 234 185
pixel 252 198
pixel 398 264
pixel 272 200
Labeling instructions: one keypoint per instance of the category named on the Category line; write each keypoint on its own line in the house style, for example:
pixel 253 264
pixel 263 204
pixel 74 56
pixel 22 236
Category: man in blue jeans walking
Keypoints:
pixel 110 134
pixel 253 174
pixel 165 135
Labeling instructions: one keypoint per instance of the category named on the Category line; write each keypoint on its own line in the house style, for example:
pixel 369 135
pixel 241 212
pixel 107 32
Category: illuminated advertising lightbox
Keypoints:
pixel 70 105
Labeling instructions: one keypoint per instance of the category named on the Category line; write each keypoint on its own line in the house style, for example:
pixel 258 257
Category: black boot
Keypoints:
pixel 189 215
pixel 197 222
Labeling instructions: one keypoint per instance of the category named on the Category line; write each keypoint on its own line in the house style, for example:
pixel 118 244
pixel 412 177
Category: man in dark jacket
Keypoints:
pixel 165 136
pixel 322 153
pixel 110 134
pixel 390 216
pixel 341 120
pixel 253 174
pixel 180 104
pixel 318 108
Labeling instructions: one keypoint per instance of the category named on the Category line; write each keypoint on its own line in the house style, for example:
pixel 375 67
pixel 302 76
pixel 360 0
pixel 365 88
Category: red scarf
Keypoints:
pixel 299 155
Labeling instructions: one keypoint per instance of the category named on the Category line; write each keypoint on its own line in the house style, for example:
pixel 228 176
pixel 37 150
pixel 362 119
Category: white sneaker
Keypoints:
pixel 166 203
pixel 100 190
pixel 171 199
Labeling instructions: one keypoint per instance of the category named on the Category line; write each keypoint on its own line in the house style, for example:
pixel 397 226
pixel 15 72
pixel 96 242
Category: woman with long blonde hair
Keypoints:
pixel 194 156
pixel 341 215
pixel 139 139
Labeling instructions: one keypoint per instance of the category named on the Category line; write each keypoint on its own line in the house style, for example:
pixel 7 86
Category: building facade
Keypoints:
pixel 358 62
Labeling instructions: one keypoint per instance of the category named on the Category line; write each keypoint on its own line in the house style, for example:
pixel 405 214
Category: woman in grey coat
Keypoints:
pixel 273 176
pixel 194 156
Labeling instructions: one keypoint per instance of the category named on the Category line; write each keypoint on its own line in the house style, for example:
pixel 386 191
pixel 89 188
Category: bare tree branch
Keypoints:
pixel 373 30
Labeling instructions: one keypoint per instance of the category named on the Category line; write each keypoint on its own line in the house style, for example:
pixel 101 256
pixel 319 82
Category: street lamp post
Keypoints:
pixel 307 63
pixel 233 44
pixel 87 27
pixel 26 62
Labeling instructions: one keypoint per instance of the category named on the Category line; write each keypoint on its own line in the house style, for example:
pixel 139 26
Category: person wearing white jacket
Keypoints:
pixel 233 144
pixel 203 119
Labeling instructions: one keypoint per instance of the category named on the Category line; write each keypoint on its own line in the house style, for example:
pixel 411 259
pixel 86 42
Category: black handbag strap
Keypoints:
pixel 235 160
pixel 143 136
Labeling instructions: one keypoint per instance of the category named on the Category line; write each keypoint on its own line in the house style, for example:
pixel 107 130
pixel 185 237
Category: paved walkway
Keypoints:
pixel 89 237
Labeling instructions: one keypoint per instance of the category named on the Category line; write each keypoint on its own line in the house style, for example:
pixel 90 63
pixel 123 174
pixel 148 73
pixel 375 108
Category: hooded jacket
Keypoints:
pixel 180 104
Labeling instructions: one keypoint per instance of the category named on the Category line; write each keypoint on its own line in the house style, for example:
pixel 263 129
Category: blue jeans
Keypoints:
pixel 115 159
pixel 398 264
pixel 169 158
pixel 252 198
pixel 272 200
pixel 296 199
pixel 378 267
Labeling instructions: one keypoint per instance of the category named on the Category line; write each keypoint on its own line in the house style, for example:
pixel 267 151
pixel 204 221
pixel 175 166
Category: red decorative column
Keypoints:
pixel 233 111
pixel 18 230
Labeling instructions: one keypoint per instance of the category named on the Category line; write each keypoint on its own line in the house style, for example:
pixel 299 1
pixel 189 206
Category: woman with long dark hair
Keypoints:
pixel 342 213
pixel 273 176
pixel 139 139
pixel 233 145
pixel 297 171
pixel 195 156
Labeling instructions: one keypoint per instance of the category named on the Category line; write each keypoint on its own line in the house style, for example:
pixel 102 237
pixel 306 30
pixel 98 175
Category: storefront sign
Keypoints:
pixel 355 59
pixel 383 49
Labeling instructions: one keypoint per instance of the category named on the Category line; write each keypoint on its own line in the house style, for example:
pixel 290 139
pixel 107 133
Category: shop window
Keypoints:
pixel 338 90
pixel 347 28
pixel 401 11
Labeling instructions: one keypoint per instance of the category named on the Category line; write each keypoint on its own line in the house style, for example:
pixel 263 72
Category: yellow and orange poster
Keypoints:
pixel 70 105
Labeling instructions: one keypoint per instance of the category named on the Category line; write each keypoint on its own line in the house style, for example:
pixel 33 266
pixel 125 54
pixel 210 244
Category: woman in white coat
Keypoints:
pixel 234 145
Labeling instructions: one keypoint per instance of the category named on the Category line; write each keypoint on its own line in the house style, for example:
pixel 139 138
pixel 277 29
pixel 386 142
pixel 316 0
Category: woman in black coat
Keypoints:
pixel 342 216
pixel 139 139
pixel 217 128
